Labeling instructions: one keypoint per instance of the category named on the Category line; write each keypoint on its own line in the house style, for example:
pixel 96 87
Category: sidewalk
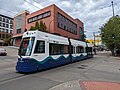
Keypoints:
pixel 87 85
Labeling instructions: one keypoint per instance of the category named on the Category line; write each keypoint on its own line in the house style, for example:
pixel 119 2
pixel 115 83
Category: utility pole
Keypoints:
pixel 113 35
pixel 94 43
pixel 113 8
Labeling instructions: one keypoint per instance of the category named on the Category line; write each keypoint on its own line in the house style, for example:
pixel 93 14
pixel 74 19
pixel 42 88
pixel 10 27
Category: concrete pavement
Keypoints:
pixel 102 75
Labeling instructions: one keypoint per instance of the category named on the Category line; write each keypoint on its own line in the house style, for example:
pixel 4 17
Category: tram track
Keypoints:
pixel 13 78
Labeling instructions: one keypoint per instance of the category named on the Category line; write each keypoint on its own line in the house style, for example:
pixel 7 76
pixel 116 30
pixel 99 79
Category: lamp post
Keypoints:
pixel 113 8
pixel 50 23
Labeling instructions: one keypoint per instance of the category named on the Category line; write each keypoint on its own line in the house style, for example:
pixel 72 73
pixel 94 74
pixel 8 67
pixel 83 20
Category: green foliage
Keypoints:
pixel 83 37
pixel 7 40
pixel 40 27
pixel 37 27
pixel 110 32
pixel 32 28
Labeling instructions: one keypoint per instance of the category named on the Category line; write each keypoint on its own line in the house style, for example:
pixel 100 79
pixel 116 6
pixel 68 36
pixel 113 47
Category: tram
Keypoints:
pixel 40 50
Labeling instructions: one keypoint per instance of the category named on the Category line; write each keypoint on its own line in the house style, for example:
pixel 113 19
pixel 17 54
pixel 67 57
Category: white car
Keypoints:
pixel 3 51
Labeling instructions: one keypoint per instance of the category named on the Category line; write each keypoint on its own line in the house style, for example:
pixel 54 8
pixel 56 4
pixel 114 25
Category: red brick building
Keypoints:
pixel 56 21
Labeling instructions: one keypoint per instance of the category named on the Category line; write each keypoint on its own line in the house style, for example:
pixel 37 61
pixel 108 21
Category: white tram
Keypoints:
pixel 41 50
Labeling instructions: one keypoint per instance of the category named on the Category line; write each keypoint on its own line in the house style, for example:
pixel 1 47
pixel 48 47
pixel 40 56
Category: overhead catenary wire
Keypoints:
pixel 12 13
pixel 41 5
pixel 32 4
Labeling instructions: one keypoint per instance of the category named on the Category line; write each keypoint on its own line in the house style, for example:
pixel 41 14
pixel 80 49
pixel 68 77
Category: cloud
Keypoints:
pixel 93 13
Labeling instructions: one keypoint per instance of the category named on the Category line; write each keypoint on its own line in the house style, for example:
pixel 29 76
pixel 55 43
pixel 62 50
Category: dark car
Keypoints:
pixel 3 51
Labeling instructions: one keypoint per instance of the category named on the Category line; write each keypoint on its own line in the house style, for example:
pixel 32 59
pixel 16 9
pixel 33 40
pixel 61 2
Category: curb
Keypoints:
pixel 87 85
pixel 70 85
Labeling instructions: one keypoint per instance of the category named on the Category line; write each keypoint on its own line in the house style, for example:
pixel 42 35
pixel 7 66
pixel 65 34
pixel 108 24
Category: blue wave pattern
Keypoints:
pixel 30 64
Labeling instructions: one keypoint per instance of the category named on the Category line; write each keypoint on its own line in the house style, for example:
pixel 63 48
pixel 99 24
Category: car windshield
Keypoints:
pixel 26 46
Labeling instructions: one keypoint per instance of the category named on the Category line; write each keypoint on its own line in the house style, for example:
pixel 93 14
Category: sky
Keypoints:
pixel 93 13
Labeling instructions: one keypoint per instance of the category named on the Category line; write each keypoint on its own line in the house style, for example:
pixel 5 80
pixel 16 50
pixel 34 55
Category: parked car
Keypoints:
pixel 3 51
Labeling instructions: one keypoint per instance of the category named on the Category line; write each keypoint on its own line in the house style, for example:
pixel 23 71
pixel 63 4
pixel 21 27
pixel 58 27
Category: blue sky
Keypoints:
pixel 93 13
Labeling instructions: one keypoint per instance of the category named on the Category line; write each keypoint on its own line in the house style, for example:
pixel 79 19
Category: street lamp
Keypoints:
pixel 50 23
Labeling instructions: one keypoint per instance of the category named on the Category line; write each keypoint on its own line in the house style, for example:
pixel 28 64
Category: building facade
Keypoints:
pixel 56 21
pixel 6 27
pixel 19 27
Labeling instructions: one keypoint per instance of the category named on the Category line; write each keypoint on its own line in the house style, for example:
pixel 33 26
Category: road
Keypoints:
pixel 100 68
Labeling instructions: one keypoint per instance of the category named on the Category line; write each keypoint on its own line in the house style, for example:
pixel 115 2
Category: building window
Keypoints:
pixel 7 25
pixel 40 47
pixel 61 25
pixel 3 19
pixel 0 18
pixel 11 21
pixel 64 27
pixel 3 30
pixel 6 30
pixel 11 26
pixel 18 31
pixel 68 25
pixel 58 24
pixel 67 29
pixel 75 32
pixel 7 20
pixel 10 31
pixel 81 30
pixel 3 25
pixel 0 24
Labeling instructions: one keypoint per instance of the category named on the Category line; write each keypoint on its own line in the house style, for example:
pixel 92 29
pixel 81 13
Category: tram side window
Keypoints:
pixel 89 50
pixel 40 47
pixel 73 50
pixel 56 49
pixel 79 49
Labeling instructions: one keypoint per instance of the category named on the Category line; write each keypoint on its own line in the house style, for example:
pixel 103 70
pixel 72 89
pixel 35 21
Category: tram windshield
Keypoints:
pixel 26 46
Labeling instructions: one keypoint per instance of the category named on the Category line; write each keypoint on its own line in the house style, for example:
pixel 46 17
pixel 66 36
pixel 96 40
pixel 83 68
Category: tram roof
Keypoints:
pixel 52 38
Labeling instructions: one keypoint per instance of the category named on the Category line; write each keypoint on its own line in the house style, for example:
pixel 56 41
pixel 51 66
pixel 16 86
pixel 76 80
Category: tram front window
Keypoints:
pixel 26 46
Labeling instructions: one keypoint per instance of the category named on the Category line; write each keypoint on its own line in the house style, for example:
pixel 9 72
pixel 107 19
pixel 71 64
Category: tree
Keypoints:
pixel 110 32
pixel 37 26
pixel 7 40
pixel 83 37
pixel 32 28
pixel 40 27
